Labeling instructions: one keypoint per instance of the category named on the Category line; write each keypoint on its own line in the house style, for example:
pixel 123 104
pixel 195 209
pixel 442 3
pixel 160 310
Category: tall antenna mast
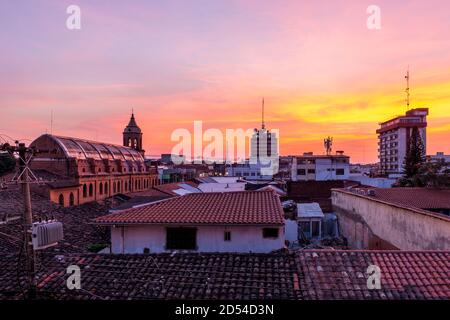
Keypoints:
pixel 407 89
pixel 263 126
pixel 51 121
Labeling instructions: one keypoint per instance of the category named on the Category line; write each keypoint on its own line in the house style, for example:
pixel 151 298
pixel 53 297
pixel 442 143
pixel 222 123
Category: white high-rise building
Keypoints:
pixel 263 163
pixel 264 149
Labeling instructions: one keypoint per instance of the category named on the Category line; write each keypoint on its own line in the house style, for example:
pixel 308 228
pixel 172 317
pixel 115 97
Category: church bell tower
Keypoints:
pixel 132 135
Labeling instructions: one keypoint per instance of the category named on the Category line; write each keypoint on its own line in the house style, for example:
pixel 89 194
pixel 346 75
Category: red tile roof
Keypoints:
pixel 422 198
pixel 169 188
pixel 334 274
pixel 301 275
pixel 247 207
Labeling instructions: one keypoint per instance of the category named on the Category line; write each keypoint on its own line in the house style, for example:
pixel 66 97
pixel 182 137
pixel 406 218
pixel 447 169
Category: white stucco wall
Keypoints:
pixel 323 173
pixel 404 228
pixel 209 239
pixel 291 227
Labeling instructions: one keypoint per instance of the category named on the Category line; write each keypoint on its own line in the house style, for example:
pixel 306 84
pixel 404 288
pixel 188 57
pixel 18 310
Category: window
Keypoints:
pixel 310 228
pixel 114 187
pixel 340 172
pixel 118 186
pixel 270 233
pixel 227 236
pixel 301 172
pixel 71 199
pixel 311 171
pixel 106 188
pixel 315 229
pixel 305 227
pixel 84 191
pixel 126 186
pixel 61 200
pixel 181 238
pixel 91 190
pixel 101 188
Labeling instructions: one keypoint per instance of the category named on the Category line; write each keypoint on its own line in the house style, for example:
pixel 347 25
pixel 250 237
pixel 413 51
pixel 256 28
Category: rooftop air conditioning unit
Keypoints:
pixel 46 234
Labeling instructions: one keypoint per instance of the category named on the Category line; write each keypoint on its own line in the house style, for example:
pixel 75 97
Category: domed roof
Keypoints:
pixel 85 149
pixel 132 126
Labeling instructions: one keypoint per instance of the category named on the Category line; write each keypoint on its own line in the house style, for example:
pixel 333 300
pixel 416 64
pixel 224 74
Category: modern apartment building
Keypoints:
pixel 394 139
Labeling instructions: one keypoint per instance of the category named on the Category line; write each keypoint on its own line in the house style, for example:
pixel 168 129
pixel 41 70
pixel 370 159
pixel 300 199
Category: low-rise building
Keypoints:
pixel 309 217
pixel 252 171
pixel 320 167
pixel 249 221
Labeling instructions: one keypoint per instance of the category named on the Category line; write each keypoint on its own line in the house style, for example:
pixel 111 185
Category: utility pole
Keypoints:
pixel 27 222
pixel 24 180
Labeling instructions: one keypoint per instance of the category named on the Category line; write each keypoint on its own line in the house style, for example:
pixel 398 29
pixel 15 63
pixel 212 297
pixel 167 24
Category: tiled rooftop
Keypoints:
pixel 169 188
pixel 306 274
pixel 248 207
pixel 422 198
pixel 79 233
pixel 122 202
pixel 329 274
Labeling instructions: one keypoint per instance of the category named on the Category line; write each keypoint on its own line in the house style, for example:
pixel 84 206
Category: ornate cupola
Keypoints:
pixel 132 135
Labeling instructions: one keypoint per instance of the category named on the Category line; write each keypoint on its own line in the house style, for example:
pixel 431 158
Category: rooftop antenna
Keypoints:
pixel 407 89
pixel 263 126
pixel 328 144
pixel 51 121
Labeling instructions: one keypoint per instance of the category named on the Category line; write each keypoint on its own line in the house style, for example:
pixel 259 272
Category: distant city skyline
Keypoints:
pixel 321 71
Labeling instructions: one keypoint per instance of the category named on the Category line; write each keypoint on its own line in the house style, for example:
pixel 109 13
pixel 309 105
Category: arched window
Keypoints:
pixel 61 200
pixel 91 190
pixel 129 142
pixel 84 190
pixel 114 187
pixel 118 186
pixel 101 188
pixel 71 200
pixel 126 186
pixel 106 188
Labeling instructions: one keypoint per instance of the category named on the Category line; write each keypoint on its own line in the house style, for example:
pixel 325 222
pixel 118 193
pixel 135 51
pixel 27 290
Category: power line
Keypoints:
pixel 25 176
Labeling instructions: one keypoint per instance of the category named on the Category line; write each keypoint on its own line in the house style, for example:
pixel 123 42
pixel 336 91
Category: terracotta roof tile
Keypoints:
pixel 422 198
pixel 248 207
pixel 304 274
pixel 338 274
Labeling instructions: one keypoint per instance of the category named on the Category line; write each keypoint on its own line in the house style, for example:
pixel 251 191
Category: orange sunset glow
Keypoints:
pixel 321 71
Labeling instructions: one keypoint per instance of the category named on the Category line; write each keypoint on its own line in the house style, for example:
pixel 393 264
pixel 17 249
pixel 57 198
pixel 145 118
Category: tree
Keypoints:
pixel 7 163
pixel 430 174
pixel 415 154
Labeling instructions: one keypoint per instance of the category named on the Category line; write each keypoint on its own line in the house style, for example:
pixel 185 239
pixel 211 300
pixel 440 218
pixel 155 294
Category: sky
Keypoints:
pixel 321 71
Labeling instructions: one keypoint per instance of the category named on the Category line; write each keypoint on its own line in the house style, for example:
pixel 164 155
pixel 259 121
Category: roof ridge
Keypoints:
pixel 88 140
